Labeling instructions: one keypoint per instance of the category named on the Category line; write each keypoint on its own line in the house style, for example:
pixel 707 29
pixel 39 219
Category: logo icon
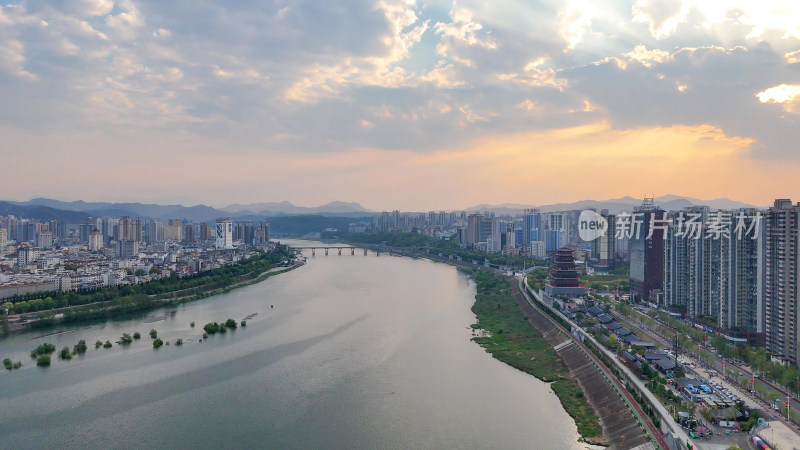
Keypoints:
pixel 591 225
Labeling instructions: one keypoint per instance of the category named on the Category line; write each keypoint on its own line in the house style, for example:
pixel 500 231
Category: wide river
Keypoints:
pixel 345 352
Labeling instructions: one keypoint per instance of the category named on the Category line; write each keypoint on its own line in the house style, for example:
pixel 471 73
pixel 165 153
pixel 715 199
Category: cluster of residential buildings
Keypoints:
pixel 43 256
pixel 533 233
pixel 735 270
pixel 738 269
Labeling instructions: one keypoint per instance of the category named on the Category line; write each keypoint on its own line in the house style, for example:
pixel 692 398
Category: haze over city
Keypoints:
pixel 371 224
pixel 398 104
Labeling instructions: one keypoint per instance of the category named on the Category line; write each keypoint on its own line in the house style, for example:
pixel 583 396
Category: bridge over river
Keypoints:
pixel 338 248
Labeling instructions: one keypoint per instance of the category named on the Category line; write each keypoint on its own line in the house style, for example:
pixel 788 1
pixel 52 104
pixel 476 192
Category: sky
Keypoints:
pixel 405 104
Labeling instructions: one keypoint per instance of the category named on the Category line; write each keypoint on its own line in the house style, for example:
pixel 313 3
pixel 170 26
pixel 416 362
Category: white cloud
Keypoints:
pixel 321 82
pixel 12 59
pixel 535 76
pixel 250 74
pixel 127 24
pixel 443 77
pixel 162 33
pixel 648 57
pixel 661 16
pixel 170 74
pixel 243 75
pixel 527 105
pixel 400 14
pixel 470 116
pixel 462 30
pixel 575 21
pixel 787 94
pixel 761 16
pixel 96 7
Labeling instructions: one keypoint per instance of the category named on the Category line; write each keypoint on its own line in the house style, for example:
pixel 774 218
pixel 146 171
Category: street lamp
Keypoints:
pixel 788 407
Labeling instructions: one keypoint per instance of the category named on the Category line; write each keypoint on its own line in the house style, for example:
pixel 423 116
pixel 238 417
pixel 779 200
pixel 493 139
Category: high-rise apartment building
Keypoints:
pixel 58 229
pixel 647 252
pixel 122 231
pixel 742 305
pixel 555 237
pixel 224 234
pixel 713 269
pixel 677 265
pixel 508 239
pixel 44 240
pixel 486 227
pixel 26 255
pixel 85 229
pixel 603 248
pixel 107 228
pixel 261 238
pixel 127 249
pixel 243 231
pixel 205 232
pixel 781 270
pixel 531 227
pixel 173 231
pixel 95 240
pixel 136 230
pixel 189 233
pixel 152 231
pixel 473 229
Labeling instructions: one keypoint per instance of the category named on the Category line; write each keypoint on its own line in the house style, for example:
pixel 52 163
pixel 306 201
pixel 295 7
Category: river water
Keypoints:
pixel 345 352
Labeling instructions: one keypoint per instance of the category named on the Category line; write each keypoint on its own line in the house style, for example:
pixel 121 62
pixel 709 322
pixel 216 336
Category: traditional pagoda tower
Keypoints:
pixel 563 279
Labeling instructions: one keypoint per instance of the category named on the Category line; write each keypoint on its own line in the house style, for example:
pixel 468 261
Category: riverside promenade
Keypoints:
pixel 654 433
pixel 666 418
pixel 621 429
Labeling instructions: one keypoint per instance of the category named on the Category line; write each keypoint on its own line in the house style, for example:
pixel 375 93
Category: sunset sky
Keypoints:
pixel 413 105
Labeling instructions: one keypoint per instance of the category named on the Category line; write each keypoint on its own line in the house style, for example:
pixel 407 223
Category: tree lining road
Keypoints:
pixel 717 365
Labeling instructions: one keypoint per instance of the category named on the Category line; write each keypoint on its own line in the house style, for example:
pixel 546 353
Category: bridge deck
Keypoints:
pixel 326 246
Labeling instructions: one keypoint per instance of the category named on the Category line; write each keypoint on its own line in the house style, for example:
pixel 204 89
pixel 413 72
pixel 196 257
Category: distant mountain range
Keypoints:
pixel 76 211
pixel 42 213
pixel 617 205
pixel 289 208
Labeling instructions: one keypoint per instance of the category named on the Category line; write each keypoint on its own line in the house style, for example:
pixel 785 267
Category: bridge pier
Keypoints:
pixel 365 252
pixel 326 252
pixel 340 252
pixel 352 251
pixel 313 252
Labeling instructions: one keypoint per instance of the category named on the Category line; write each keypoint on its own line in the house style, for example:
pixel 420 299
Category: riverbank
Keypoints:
pixel 138 302
pixel 508 337
pixel 380 360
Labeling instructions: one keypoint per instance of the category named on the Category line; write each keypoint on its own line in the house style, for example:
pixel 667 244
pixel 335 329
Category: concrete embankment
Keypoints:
pixel 621 430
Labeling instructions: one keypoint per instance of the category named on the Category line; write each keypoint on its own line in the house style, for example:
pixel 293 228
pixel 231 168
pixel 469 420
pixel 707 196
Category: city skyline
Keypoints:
pixel 412 104
pixel 370 223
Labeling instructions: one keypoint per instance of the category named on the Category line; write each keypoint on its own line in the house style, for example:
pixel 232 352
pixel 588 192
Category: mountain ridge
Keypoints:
pixel 74 210
pixel 616 205
pixel 197 213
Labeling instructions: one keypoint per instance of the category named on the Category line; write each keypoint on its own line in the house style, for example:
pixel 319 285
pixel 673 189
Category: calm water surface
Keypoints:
pixel 358 352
